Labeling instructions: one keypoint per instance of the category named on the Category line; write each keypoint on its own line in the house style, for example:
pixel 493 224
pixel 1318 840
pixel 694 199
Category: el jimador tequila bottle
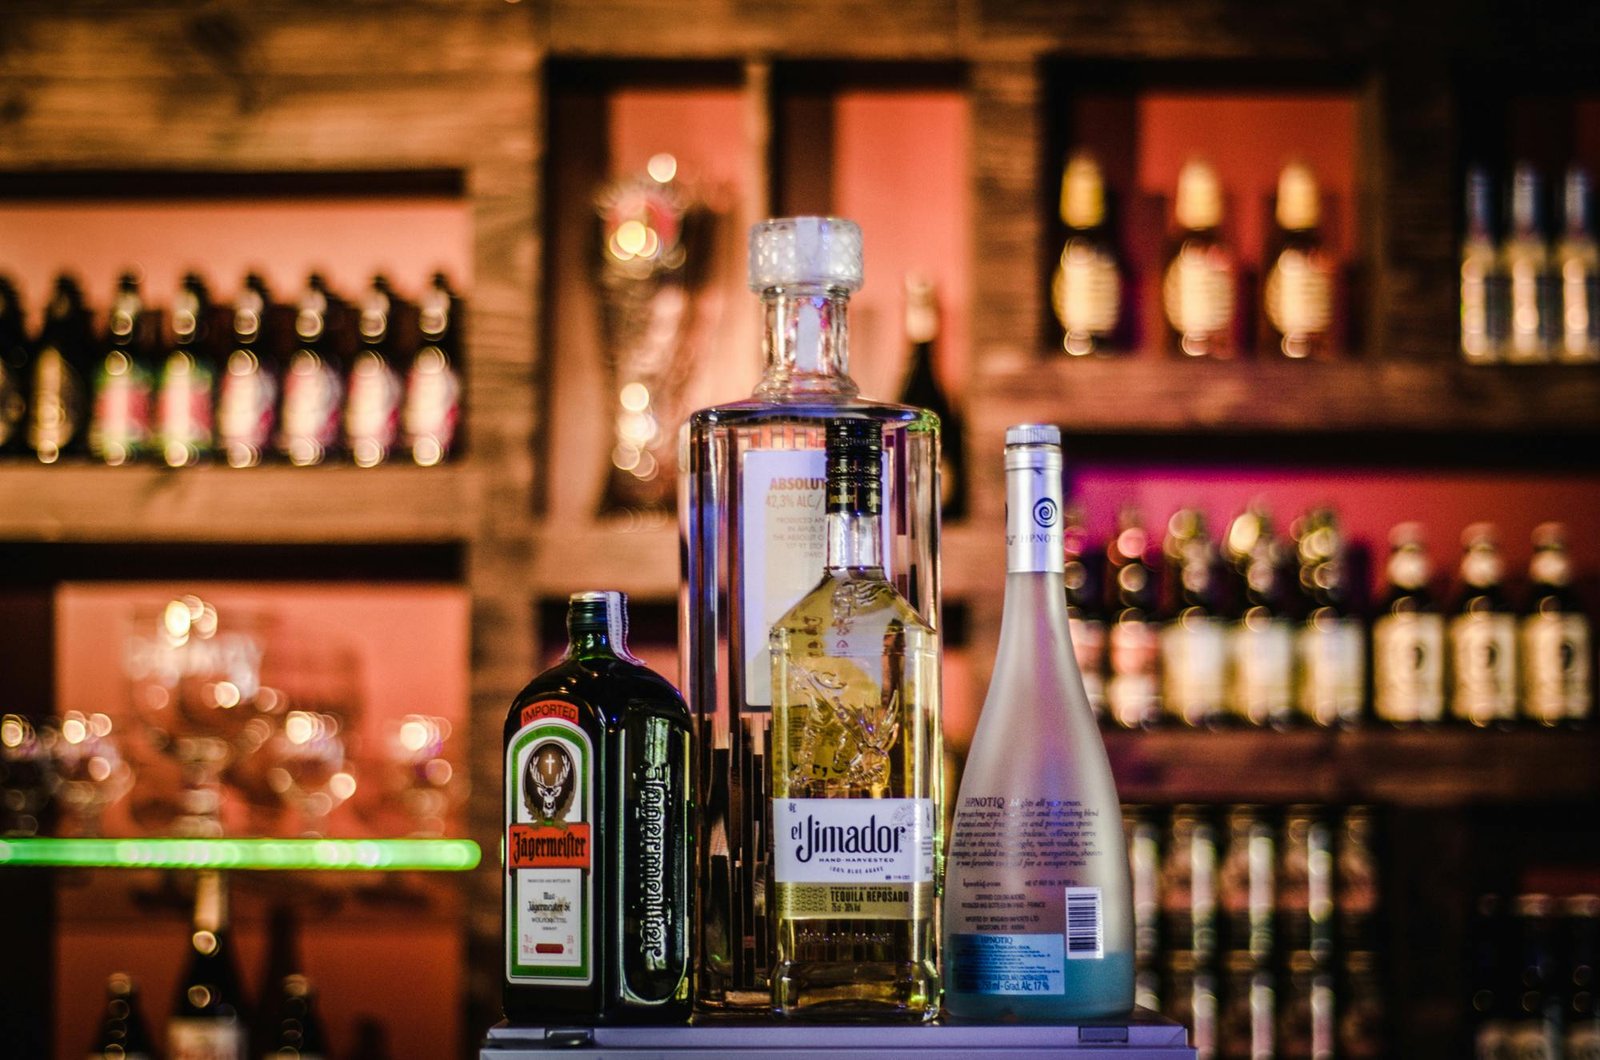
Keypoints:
pixel 752 520
pixel 1038 905
pixel 855 771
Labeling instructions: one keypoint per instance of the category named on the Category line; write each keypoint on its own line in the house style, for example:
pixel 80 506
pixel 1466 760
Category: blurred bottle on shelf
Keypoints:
pixel 1493 989
pixel 1305 886
pixel 186 387
pixel 1408 637
pixel 313 379
pixel 119 425
pixel 1086 291
pixel 1085 611
pixel 58 395
pixel 1246 883
pixel 1133 693
pixel 1307 1010
pixel 1189 883
pixel 920 388
pixel 1198 290
pixel 1143 836
pixel 247 394
pixel 13 371
pixel 1525 262
pixel 1360 1014
pixel 374 389
pixel 122 1034
pixel 1536 1027
pixel 1330 648
pixel 1582 929
pixel 1554 637
pixel 1577 268
pixel 1299 294
pixel 432 414
pixel 1482 635
pixel 297 1031
pixel 1356 892
pixel 211 1019
pixel 1261 641
pixel 1192 989
pixel 1484 317
pixel 1194 635
pixel 1247 1018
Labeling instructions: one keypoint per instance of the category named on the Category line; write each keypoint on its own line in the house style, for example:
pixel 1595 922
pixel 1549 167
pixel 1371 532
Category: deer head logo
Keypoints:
pixel 547 781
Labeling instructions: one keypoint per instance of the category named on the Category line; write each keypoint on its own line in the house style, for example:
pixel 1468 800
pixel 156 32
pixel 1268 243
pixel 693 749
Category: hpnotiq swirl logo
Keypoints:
pixel 1045 513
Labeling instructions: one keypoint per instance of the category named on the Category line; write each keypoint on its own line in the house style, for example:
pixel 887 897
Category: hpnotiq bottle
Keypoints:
pixel 1038 899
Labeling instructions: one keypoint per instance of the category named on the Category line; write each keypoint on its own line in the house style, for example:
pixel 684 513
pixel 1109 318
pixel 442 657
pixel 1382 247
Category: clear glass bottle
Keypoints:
pixel 1408 637
pixel 1038 815
pixel 1483 312
pixel 754 534
pixel 597 889
pixel 1525 261
pixel 1331 646
pixel 1194 636
pixel 1198 290
pixel 856 772
pixel 187 385
pixel 1298 296
pixel 1086 292
pixel 1482 634
pixel 1577 265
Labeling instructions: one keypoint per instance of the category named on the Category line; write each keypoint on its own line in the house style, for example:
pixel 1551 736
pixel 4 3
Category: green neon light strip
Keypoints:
pixel 322 855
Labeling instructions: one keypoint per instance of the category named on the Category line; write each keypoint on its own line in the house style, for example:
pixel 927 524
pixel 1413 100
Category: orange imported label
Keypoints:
pixel 549 708
pixel 544 846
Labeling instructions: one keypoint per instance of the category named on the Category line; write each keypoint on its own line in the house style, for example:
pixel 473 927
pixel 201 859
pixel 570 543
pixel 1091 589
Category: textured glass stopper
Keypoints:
pixel 803 250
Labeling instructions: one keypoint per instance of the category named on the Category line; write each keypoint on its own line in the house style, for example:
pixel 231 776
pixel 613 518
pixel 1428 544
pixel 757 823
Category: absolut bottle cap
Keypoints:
pixel 786 251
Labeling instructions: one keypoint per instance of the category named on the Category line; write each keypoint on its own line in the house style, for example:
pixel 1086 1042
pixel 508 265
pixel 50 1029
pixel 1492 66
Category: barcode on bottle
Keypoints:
pixel 1086 937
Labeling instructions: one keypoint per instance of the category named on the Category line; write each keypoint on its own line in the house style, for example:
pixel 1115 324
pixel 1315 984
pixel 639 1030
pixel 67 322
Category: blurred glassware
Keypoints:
pixel 428 786
pixel 314 691
pixel 27 778
pixel 195 686
pixel 91 770
pixel 309 768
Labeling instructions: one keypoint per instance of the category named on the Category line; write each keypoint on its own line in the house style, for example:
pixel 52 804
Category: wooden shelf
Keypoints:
pixel 1151 394
pixel 1445 767
pixel 269 505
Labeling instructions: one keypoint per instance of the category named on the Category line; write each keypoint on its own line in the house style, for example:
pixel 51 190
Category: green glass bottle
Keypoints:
pixel 597 834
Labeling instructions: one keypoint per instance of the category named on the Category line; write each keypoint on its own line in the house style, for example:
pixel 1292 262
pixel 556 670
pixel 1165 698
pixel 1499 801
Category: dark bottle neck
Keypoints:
pixel 854 496
pixel 806 342
pixel 597 627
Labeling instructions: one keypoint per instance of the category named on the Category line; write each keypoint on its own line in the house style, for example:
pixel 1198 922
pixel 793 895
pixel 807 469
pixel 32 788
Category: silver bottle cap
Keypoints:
pixel 1033 434
pixel 787 251
pixel 1034 541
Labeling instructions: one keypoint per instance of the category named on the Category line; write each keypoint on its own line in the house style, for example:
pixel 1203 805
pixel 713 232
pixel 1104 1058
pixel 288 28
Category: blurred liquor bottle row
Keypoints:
pixel 324 380
pixel 1261 630
pixel 1533 962
pixel 1257 928
pixel 1530 290
pixel 1209 297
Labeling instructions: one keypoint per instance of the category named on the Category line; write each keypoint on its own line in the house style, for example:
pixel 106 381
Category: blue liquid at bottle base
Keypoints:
pixel 1091 989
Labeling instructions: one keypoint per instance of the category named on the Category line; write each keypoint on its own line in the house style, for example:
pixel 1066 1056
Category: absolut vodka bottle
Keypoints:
pixel 754 533
pixel 1038 899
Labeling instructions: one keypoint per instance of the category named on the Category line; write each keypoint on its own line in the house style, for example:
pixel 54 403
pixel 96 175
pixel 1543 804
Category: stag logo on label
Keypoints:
pixel 548 783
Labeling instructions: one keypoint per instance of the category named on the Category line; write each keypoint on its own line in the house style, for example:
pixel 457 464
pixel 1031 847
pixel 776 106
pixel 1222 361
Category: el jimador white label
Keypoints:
pixel 783 539
pixel 853 858
pixel 549 853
